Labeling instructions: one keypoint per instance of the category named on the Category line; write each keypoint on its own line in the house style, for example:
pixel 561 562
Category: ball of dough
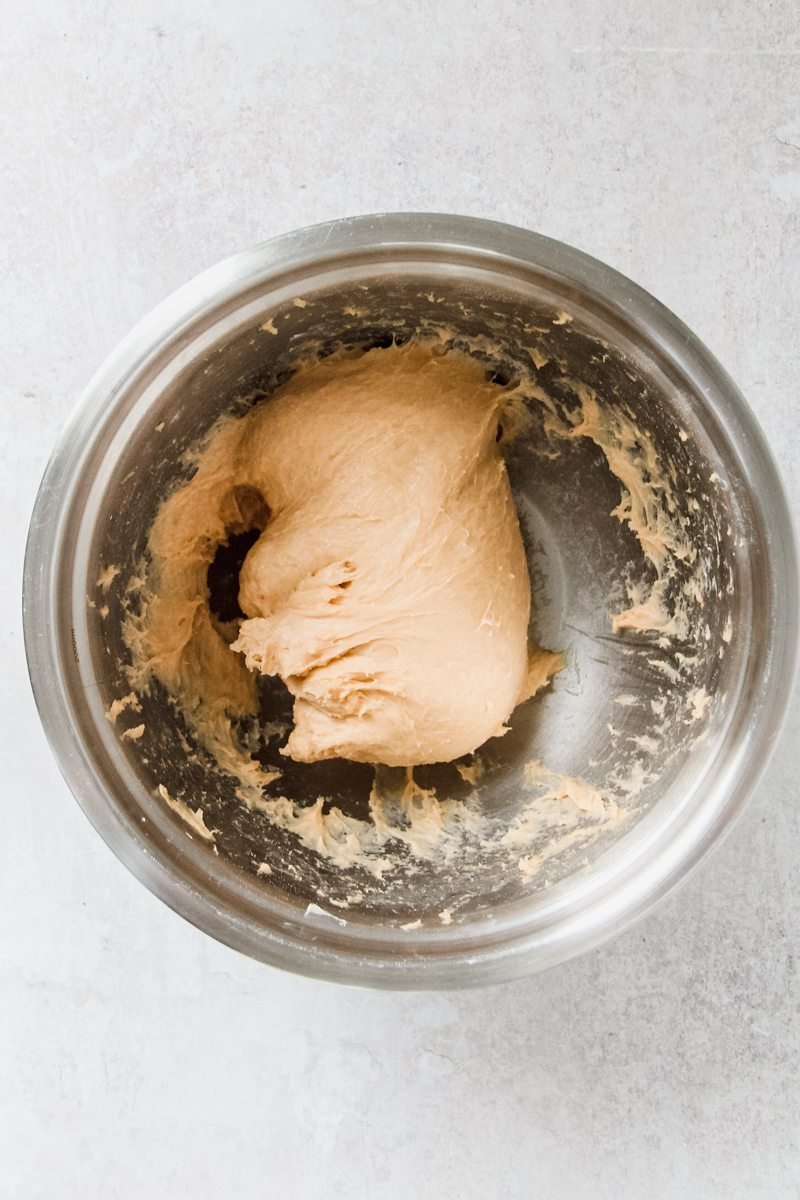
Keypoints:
pixel 389 588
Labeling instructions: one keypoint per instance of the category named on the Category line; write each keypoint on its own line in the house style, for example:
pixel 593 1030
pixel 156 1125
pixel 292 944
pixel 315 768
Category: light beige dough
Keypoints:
pixel 389 587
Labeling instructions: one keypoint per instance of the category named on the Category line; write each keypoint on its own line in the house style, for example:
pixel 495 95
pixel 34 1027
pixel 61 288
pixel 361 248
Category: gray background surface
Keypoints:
pixel 141 143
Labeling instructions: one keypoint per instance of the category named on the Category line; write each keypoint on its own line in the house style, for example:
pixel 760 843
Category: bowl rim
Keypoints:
pixel 635 888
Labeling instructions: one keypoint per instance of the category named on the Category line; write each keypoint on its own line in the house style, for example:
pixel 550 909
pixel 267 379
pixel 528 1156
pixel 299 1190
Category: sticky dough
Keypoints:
pixel 389 588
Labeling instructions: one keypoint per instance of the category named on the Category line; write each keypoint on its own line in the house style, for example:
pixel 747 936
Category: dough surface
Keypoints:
pixel 389 587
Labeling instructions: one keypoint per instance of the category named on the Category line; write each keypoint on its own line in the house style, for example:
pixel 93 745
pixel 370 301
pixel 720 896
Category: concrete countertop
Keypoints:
pixel 142 143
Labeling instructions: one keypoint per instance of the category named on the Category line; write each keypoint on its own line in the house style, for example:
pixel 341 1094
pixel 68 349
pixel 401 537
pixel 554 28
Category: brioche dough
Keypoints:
pixel 389 588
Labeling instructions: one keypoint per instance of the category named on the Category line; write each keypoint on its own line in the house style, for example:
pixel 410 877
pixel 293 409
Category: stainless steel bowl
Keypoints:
pixel 364 279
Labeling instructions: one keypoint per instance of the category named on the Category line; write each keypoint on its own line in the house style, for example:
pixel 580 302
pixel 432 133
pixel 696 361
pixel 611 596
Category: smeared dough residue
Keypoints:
pixel 133 734
pixel 647 509
pixel 107 576
pixel 118 706
pixel 472 773
pixel 194 819
pixel 566 812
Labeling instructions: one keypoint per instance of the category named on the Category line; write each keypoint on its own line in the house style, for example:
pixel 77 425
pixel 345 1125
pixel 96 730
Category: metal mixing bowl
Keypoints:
pixel 362 281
